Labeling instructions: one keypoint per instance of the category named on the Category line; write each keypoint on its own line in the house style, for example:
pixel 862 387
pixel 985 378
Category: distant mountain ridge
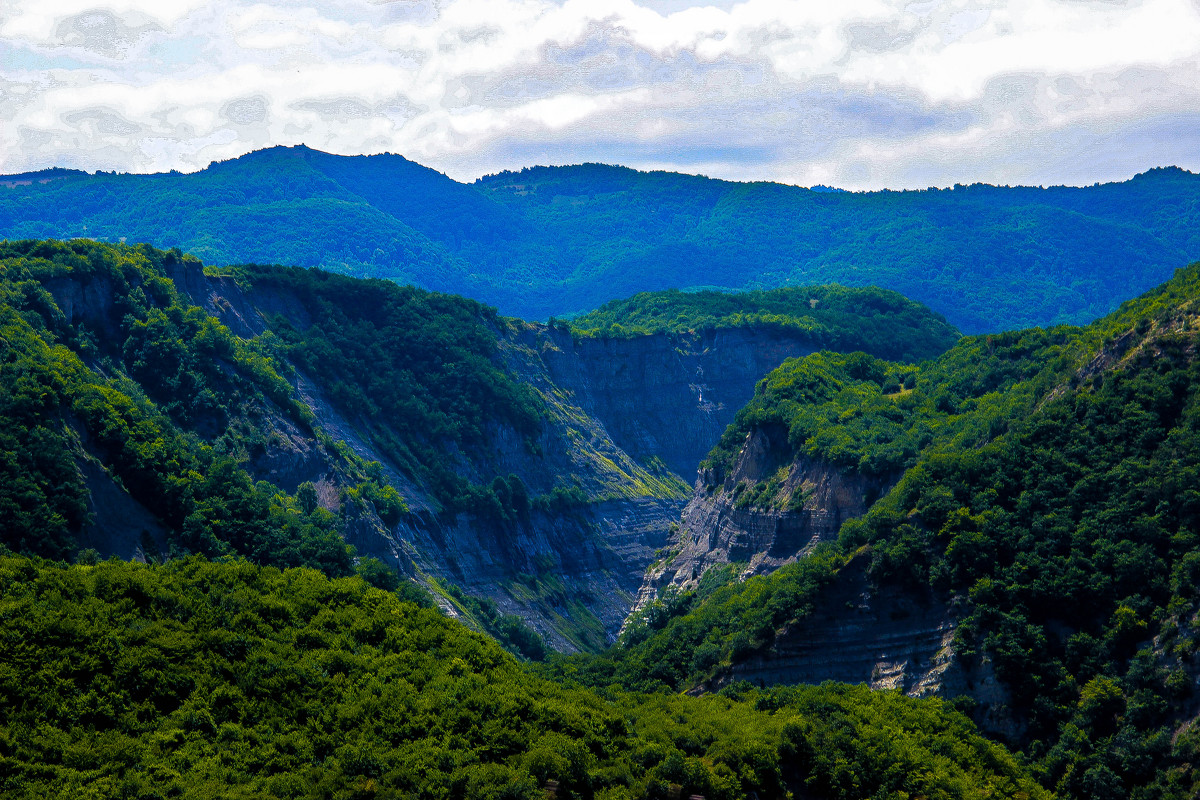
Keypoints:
pixel 554 241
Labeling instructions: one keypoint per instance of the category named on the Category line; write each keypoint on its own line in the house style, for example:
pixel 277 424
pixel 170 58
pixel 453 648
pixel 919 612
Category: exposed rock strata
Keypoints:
pixel 668 396
pixel 809 505
pixel 888 637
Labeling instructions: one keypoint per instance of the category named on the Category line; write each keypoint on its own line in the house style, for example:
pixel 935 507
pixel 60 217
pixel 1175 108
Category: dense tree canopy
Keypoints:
pixel 1046 479
pixel 199 679
pixel 832 317
pixel 418 368
pixel 176 440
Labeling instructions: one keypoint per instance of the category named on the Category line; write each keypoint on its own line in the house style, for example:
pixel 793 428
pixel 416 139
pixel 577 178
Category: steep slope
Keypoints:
pixel 128 418
pixel 1032 549
pixel 527 466
pixel 714 341
pixel 561 240
pixel 821 440
pixel 620 418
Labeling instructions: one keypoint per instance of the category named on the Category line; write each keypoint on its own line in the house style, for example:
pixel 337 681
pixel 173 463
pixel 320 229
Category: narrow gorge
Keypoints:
pixel 624 422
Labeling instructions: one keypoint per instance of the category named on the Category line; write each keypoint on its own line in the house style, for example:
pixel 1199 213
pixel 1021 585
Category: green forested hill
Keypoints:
pixel 834 318
pixel 989 258
pixel 202 680
pixel 172 405
pixel 560 240
pixel 1048 489
pixel 1048 493
pixel 419 369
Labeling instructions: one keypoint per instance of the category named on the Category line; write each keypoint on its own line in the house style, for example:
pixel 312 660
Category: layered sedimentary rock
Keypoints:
pixel 772 508
pixel 889 639
pixel 805 501
pixel 892 637
pixel 669 396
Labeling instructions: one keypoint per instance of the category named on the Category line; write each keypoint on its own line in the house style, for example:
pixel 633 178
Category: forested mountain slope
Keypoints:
pixel 522 472
pixel 1013 523
pixel 833 317
pixel 550 241
pixel 199 679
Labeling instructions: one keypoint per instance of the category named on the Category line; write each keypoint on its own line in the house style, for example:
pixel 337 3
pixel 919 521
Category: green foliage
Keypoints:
pixel 384 500
pixel 765 494
pixel 833 407
pixel 831 317
pixel 200 679
pixel 876 417
pixel 1066 533
pixel 418 369
pixel 680 640
pixel 169 409
pixel 921 753
pixel 508 629
pixel 381 576
pixel 42 493
pixel 561 500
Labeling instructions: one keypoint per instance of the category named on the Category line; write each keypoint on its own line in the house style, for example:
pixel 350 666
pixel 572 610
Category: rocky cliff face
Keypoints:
pixel 624 420
pixel 889 637
pixel 668 396
pixel 767 512
pixel 771 509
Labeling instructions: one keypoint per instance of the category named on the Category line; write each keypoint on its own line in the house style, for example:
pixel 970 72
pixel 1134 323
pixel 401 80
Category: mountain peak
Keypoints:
pixel 1158 173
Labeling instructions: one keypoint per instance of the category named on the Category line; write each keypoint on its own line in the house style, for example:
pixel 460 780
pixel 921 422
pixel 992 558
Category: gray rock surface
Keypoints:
pixel 669 396
pixel 811 502
pixel 888 637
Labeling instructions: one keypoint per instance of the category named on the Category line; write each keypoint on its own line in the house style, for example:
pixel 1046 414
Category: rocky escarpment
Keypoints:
pixel 890 637
pixel 571 570
pixel 771 508
pixel 669 395
pixel 768 511
pixel 622 419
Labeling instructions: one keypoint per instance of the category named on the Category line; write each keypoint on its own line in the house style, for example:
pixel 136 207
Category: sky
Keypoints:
pixel 860 94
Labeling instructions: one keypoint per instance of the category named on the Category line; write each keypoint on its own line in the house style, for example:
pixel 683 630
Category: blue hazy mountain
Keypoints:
pixel 554 241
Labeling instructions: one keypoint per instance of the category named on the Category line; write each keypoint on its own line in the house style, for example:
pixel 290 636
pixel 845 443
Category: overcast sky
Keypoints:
pixel 854 93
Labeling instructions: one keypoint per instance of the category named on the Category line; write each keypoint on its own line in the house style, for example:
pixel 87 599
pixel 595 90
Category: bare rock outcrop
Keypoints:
pixel 797 503
pixel 668 396
pixel 771 508
pixel 889 639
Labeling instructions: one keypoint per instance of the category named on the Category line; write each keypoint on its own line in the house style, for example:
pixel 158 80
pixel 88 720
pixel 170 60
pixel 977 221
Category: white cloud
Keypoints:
pixel 860 93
